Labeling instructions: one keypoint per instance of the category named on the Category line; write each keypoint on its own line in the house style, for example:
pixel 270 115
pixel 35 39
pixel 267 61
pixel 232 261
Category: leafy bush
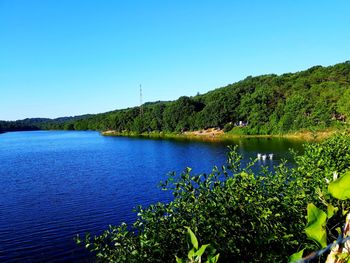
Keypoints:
pixel 246 217
pixel 228 126
pixel 318 164
pixel 328 188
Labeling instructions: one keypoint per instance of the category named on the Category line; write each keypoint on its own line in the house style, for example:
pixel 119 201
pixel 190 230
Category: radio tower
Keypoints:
pixel 141 106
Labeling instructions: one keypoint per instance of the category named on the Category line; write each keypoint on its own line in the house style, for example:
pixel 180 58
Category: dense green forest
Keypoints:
pixel 316 98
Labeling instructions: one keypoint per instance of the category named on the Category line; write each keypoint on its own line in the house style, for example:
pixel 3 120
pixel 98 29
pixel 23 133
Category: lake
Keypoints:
pixel 56 184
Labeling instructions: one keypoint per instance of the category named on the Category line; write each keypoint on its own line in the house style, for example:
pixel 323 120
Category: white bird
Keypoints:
pixel 264 157
pixel 259 156
pixel 271 156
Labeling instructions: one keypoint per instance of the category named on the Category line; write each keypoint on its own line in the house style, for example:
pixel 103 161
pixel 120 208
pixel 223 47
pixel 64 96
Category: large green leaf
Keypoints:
pixel 190 254
pixel 340 188
pixel 193 238
pixel 201 250
pixel 296 256
pixel 316 223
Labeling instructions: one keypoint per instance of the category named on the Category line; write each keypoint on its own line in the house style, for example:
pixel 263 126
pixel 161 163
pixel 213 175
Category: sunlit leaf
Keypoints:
pixel 213 259
pixel 331 210
pixel 296 256
pixel 315 228
pixel 201 250
pixel 340 188
pixel 179 260
pixel 190 254
pixel 193 238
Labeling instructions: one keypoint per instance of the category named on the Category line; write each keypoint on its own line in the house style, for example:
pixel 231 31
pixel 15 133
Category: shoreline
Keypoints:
pixel 215 135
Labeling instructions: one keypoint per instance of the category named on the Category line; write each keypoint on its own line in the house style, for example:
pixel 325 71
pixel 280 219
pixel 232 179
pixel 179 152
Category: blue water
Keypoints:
pixel 56 184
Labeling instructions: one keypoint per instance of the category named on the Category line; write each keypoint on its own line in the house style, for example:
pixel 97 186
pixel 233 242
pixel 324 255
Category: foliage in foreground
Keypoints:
pixel 195 254
pixel 321 225
pixel 246 217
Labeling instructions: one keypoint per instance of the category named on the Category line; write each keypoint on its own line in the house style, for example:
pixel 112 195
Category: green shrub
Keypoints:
pixel 228 126
pixel 246 217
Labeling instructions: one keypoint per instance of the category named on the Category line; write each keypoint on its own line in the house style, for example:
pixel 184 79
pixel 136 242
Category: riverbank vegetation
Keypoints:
pixel 315 99
pixel 244 216
pixel 221 136
pixel 311 100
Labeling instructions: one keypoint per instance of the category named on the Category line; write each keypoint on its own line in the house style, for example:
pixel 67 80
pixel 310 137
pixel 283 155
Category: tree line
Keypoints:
pixel 316 98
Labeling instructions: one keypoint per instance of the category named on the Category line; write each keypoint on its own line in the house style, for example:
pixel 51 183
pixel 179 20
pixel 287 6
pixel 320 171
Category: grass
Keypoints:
pixel 304 135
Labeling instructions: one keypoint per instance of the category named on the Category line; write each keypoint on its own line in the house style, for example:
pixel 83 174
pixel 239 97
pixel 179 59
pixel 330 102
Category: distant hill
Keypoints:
pixel 316 98
pixel 30 124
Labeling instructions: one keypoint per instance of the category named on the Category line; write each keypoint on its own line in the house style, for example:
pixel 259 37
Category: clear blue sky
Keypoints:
pixel 71 57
